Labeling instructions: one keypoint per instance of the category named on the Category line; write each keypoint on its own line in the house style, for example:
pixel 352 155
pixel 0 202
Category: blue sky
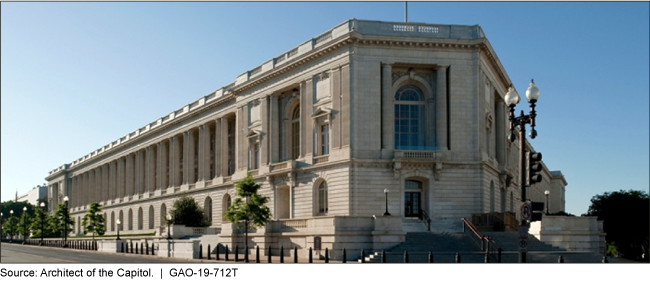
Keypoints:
pixel 76 76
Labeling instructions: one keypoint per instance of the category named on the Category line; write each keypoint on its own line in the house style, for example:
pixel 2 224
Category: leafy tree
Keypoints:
pixel 248 206
pixel 93 221
pixel 36 225
pixel 23 225
pixel 626 220
pixel 186 212
pixel 61 214
pixel 9 226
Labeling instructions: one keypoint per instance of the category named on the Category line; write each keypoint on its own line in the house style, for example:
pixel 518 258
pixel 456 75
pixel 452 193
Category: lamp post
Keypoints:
pixel 24 224
pixel 11 223
pixel 386 193
pixel 512 99
pixel 169 221
pixel 42 221
pixel 547 193
pixel 118 229
pixel 65 222
pixel 2 215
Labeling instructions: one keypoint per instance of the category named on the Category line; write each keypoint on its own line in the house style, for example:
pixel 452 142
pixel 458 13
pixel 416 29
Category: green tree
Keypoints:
pixel 61 214
pixel 23 225
pixel 625 220
pixel 248 206
pixel 9 226
pixel 185 211
pixel 41 216
pixel 93 221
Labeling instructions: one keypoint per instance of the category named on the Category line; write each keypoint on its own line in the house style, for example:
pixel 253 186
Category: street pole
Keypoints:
pixel 65 222
pixel 512 99
pixel 42 221
pixel 24 225
pixel 547 193
pixel 386 192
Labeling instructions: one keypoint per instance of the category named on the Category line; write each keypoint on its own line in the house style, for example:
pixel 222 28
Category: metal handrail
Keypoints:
pixel 425 219
pixel 487 244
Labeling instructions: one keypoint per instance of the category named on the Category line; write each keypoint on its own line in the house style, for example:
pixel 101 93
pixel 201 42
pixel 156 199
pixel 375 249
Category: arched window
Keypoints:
pixel 140 218
pixel 130 222
pixel 409 118
pixel 322 198
pixel 295 133
pixel 207 207
pixel 151 222
pixel 225 204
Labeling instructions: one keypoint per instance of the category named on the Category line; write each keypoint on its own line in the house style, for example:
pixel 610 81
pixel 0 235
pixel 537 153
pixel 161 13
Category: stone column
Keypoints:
pixel 224 148
pixel 240 138
pixel 149 169
pixel 500 127
pixel 264 142
pixel 387 110
pixel 274 130
pixel 189 157
pixel 175 161
pixel 441 107
pixel 218 148
pixel 303 120
pixel 163 161
pixel 113 179
pixel 202 153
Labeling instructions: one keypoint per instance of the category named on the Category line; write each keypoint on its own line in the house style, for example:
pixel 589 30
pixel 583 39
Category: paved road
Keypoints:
pixel 16 253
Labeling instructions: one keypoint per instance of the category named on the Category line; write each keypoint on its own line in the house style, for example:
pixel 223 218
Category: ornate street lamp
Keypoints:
pixel 11 229
pixel 118 228
pixel 547 193
pixel 42 221
pixel 512 99
pixel 169 221
pixel 386 193
pixel 24 224
pixel 65 222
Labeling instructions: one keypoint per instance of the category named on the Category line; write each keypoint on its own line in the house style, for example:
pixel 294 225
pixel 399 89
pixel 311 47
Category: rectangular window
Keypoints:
pixel 325 139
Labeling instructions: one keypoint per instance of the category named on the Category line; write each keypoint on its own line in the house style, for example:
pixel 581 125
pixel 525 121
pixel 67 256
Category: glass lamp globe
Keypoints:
pixel 511 97
pixel 532 93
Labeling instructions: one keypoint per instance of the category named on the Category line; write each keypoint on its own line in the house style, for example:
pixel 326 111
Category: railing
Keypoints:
pixel 425 219
pixel 487 244
pixel 301 223
pixel 321 159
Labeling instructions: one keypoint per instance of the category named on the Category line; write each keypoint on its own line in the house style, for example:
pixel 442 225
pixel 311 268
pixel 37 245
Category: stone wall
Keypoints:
pixel 571 233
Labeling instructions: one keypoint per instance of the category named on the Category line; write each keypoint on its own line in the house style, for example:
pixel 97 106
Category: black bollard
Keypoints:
pixel 487 257
pixel 560 259
pixel 344 257
pixel 406 257
pixel 363 255
pixel 121 247
pixel 457 258
pixel 281 254
pixel 200 251
pixel 236 253
pixel 257 254
pixel 152 249
pixel 146 246
pixel 310 256
pixel 327 256
pixel 141 249
pixel 208 251
pixel 127 248
pixel 246 254
pixel 430 257
pixel 136 248
pixel 226 253
pixel 499 256
pixel 216 252
pixel 605 259
pixel 295 254
pixel 268 257
pixel 383 256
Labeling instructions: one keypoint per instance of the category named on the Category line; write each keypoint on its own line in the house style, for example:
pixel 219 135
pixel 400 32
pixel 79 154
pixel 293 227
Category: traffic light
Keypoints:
pixel 537 208
pixel 534 167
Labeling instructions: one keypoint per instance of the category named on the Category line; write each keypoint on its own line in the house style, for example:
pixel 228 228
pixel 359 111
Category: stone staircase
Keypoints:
pixel 445 245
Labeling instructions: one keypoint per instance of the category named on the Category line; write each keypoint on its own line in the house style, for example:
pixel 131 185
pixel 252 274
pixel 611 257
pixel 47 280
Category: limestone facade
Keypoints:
pixel 413 108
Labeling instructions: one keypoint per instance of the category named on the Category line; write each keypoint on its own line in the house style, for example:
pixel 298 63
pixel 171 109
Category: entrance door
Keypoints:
pixel 412 204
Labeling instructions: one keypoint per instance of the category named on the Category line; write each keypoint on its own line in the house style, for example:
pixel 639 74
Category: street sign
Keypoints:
pixel 526 211
pixel 523 245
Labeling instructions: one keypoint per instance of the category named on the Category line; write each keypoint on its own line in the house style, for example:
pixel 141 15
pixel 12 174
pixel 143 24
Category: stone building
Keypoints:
pixel 326 128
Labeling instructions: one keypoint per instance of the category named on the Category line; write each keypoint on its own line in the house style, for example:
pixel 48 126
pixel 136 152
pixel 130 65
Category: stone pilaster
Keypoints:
pixel 441 107
pixel 149 168
pixel 264 142
pixel 274 130
pixel 387 111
